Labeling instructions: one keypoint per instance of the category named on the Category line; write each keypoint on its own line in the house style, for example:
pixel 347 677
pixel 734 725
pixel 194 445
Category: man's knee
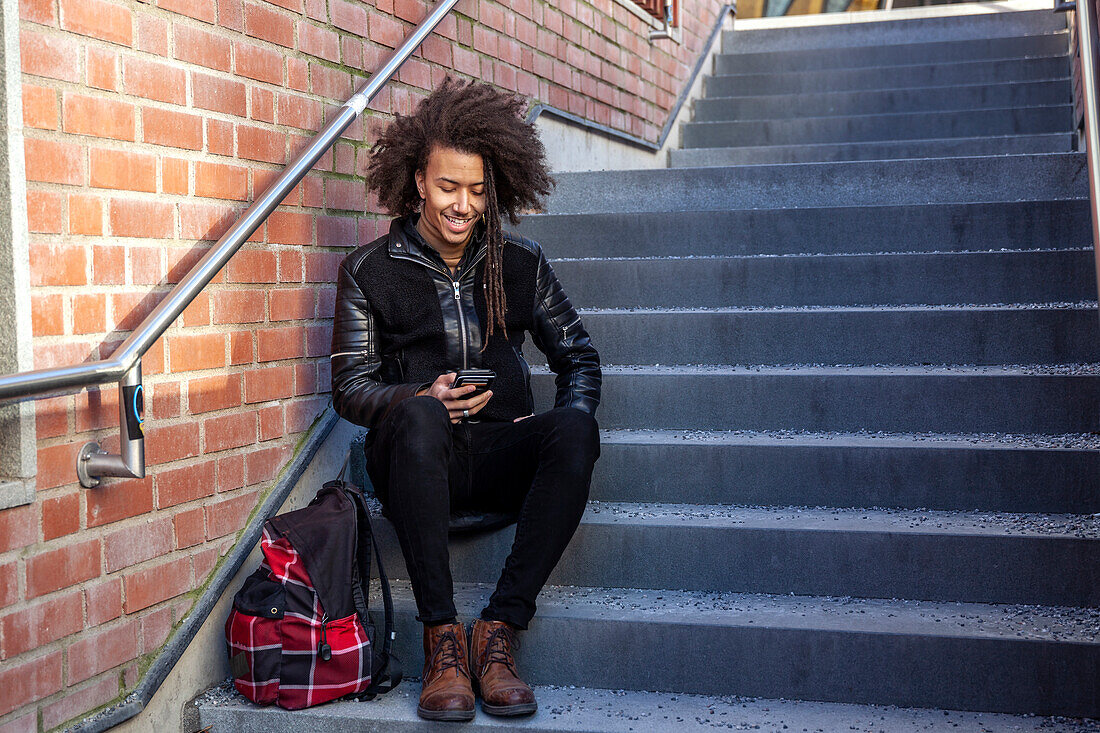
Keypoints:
pixel 420 413
pixel 419 423
pixel 418 440
pixel 576 433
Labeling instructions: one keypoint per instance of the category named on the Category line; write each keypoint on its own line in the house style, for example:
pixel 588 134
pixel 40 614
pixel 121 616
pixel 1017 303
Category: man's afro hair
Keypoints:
pixel 470 117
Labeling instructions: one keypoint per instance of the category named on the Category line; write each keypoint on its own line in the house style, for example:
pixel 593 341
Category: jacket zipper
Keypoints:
pixel 565 330
pixel 461 321
pixel 458 304
pixel 458 296
pixel 525 370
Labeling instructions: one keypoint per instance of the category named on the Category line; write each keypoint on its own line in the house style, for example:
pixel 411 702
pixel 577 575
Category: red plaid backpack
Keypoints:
pixel 299 633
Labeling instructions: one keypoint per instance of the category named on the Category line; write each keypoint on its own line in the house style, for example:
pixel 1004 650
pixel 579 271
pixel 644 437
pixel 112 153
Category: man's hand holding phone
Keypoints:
pixel 458 396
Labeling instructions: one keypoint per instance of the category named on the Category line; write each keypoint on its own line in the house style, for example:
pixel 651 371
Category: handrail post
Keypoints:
pixel 1086 43
pixel 93 463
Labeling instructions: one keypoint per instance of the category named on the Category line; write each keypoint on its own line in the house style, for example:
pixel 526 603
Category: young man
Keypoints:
pixel 448 290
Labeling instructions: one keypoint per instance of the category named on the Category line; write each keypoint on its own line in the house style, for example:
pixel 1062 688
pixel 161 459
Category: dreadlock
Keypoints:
pixel 476 119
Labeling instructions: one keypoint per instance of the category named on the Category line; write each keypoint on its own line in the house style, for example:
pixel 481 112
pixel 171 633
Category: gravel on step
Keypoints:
pixel 1085 369
pixel 780 255
pixel 887 615
pixel 626 711
pixel 870 519
pixel 1060 305
pixel 868 438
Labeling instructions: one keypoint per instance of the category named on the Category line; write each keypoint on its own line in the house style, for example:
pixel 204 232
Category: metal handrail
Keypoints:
pixel 1084 12
pixel 124 365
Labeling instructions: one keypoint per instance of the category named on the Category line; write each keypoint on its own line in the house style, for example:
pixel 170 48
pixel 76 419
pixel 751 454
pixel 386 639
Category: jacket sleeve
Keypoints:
pixel 358 393
pixel 559 334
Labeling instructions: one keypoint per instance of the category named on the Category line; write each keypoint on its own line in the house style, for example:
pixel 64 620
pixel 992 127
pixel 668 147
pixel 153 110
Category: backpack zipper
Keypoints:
pixel 325 650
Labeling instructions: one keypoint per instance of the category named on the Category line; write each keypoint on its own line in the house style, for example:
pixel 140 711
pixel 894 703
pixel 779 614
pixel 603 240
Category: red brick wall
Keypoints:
pixel 148 127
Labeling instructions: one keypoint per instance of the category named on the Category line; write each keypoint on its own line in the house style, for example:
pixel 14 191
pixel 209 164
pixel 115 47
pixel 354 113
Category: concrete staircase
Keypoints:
pixel 952 86
pixel 850 449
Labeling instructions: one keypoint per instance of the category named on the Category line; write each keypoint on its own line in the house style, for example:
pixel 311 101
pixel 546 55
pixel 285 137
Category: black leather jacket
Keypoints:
pixel 401 320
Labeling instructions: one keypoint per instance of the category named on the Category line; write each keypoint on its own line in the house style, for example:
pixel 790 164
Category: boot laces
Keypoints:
pixel 449 654
pixel 499 649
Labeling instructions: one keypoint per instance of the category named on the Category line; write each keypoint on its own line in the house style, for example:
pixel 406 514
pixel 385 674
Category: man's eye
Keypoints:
pixel 447 190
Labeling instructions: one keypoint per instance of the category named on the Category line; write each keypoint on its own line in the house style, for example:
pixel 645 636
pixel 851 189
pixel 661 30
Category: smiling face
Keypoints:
pixel 452 185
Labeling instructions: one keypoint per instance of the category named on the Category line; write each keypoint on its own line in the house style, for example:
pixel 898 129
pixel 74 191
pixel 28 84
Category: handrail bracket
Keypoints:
pixel 93 463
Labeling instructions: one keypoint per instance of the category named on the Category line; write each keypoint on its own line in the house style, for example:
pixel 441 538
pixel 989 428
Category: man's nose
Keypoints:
pixel 462 202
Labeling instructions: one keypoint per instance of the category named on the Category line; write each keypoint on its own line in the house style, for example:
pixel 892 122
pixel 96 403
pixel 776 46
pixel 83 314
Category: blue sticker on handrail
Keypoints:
pixel 134 398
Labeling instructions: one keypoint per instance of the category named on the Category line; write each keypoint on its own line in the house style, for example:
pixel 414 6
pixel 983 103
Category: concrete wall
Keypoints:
pixel 17 443
pixel 576 147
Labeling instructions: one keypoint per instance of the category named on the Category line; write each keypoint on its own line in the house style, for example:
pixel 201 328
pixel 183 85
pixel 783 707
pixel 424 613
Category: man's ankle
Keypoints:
pixel 446 622
pixel 494 620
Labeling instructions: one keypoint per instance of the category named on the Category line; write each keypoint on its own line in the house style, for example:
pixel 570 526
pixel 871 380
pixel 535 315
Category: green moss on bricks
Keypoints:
pixel 298 447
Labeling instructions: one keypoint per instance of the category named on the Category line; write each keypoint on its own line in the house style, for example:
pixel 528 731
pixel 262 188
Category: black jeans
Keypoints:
pixel 423 467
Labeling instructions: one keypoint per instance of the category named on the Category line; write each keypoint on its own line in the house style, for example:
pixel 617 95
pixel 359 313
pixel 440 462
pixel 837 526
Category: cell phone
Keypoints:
pixel 480 378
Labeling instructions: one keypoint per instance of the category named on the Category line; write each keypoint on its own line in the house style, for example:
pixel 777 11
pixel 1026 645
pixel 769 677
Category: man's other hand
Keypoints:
pixel 453 399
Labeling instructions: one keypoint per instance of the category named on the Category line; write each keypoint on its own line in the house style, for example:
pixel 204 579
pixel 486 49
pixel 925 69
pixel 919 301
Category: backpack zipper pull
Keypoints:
pixel 325 650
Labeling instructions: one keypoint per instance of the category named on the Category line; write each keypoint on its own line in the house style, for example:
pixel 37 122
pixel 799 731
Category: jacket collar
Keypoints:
pixel 405 241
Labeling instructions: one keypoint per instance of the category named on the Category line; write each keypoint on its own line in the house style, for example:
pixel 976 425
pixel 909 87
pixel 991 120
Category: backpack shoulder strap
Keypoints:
pixel 390 674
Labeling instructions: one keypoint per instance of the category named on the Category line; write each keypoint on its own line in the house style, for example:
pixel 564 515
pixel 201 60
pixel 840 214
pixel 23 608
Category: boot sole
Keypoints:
pixel 508 710
pixel 450 715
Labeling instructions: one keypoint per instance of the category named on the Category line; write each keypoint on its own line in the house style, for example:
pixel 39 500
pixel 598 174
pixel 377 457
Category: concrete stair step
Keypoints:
pixel 882 150
pixel 831 280
pixel 571 709
pixel 882 335
pixel 1010 473
pixel 888 32
pixel 892 77
pixel 880 128
pixel 823 185
pixel 1051 400
pixel 979 557
pixel 952 472
pixel 743 644
pixel 883 101
pixel 850 229
pixel 898 54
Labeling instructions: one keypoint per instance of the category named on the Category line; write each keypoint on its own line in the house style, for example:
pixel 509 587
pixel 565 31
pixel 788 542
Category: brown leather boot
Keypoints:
pixel 494 669
pixel 446 694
